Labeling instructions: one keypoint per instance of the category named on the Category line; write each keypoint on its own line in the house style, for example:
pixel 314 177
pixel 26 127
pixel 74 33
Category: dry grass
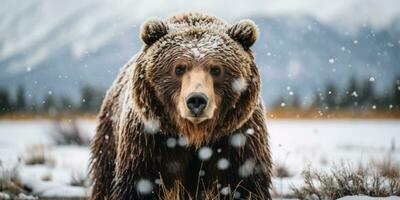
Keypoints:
pixel 9 180
pixel 377 180
pixel 67 132
pixel 296 113
pixel 280 170
pixel 38 155
pixel 79 179
pixel 178 192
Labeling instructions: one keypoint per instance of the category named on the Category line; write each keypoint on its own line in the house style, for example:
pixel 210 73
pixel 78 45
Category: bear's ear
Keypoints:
pixel 152 30
pixel 245 32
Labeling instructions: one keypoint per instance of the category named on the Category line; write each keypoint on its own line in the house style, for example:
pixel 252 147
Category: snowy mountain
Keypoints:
pixel 84 46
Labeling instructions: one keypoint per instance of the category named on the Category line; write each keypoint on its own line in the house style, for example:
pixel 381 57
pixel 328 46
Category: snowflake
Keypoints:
pixel 371 79
pixel 250 131
pixel 238 140
pixel 171 142
pixel 247 168
pixel 205 153
pixel 144 186
pixel 152 126
pixel 225 191
pixel 223 164
pixel 182 141
pixel 239 85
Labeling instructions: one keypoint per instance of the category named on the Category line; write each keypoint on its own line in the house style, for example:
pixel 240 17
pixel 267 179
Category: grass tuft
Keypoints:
pixel 38 155
pixel 377 180
pixel 67 132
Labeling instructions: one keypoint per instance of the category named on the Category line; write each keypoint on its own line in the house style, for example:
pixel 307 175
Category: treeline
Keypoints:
pixel 22 102
pixel 358 95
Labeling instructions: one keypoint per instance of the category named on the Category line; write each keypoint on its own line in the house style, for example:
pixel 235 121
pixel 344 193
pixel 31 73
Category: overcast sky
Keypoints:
pixel 33 24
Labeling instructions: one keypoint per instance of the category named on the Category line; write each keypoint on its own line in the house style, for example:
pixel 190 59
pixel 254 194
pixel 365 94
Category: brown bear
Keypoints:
pixel 185 111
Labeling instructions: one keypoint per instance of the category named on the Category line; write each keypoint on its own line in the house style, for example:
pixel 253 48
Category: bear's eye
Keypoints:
pixel 180 70
pixel 215 71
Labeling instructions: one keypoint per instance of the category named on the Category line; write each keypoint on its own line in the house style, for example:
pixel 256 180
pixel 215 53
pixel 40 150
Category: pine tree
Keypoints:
pixel 350 99
pixel 20 104
pixel 5 105
pixel 396 93
pixel 49 104
pixel 367 95
pixel 331 97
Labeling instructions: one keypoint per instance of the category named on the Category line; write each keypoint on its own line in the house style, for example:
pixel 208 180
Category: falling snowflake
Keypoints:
pixel 355 41
pixel 239 85
pixel 152 126
pixel 236 195
pixel 171 142
pixel 331 61
pixel 225 191
pixel 283 104
pixel 247 168
pixel 223 164
pixel 182 141
pixel 202 173
pixel 371 79
pixel 205 153
pixel 238 140
pixel 250 131
pixel 144 186
pixel 374 107
pixel 354 94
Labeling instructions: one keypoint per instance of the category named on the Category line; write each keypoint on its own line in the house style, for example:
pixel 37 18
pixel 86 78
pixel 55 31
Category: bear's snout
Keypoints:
pixel 196 102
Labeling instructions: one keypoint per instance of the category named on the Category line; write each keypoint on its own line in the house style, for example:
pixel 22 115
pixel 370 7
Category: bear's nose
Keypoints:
pixel 196 102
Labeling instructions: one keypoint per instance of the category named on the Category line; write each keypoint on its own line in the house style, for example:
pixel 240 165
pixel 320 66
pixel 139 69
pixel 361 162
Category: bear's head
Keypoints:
pixel 196 75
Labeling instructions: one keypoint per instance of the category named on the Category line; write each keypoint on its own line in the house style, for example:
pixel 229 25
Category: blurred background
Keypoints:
pixel 336 60
pixel 61 56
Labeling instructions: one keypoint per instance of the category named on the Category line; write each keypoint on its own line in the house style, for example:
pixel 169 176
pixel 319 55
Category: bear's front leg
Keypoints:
pixel 136 174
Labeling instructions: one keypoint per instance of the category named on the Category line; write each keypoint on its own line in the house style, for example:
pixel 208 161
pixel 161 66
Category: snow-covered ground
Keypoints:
pixel 295 144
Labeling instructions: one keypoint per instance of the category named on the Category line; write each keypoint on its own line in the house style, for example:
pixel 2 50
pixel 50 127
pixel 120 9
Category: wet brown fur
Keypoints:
pixel 122 153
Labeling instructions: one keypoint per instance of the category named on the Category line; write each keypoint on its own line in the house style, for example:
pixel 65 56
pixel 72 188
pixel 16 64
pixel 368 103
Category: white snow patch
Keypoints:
pixel 239 85
pixel 196 53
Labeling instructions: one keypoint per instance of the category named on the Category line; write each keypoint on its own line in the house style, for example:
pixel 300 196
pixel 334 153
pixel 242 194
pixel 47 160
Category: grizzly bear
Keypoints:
pixel 186 111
